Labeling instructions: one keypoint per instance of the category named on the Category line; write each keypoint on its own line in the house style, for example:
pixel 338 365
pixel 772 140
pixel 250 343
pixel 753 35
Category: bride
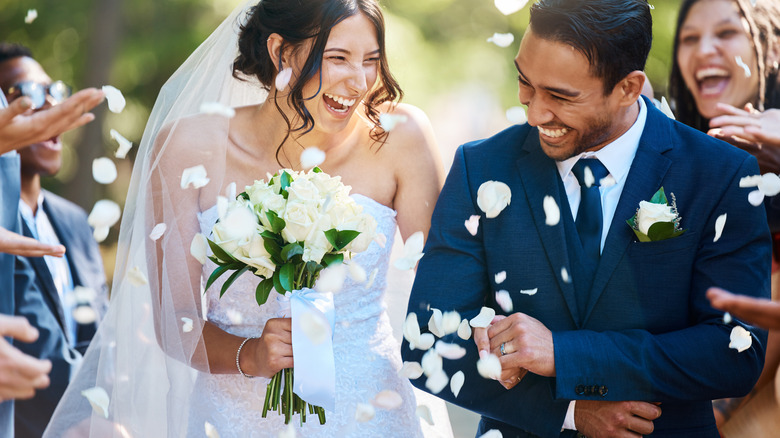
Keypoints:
pixel 167 354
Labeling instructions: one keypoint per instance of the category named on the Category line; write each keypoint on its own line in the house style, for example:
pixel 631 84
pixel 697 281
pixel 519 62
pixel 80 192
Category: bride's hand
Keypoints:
pixel 271 352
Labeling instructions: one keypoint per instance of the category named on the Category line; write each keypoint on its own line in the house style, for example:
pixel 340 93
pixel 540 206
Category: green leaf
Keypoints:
pixel 660 231
pixel 263 290
pixel 659 197
pixel 243 195
pixel 312 268
pixel 277 284
pixel 285 181
pixel 219 252
pixel 316 169
pixel 641 236
pixel 340 239
pixel 215 275
pixel 287 276
pixel 332 259
pixel 231 279
pixel 291 250
pixel 273 249
pixel 277 223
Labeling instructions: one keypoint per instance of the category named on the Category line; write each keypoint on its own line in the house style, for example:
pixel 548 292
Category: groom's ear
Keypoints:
pixel 278 51
pixel 630 87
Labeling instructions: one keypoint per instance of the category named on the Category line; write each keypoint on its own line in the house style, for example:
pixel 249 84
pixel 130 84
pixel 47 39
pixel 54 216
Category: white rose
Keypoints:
pixel 366 225
pixel 263 198
pixel 343 211
pixel 493 197
pixel 254 254
pixel 300 218
pixel 326 184
pixel 316 246
pixel 650 213
pixel 303 190
pixel 237 229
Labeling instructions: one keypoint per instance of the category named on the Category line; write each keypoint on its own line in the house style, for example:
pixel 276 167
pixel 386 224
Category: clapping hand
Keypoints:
pixel 20 374
pixel 753 131
pixel 761 312
pixel 16 244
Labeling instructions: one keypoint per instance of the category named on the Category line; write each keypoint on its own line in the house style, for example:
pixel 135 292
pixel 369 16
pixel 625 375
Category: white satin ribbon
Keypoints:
pixel 315 369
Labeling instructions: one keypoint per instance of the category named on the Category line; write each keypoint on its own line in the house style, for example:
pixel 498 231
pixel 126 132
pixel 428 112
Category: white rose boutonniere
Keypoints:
pixel 656 219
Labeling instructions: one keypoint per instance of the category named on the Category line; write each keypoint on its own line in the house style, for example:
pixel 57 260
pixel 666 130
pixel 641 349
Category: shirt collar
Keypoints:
pixel 616 156
pixel 27 212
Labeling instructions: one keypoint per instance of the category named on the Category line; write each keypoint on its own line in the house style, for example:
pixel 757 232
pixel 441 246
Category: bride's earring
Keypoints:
pixel 283 78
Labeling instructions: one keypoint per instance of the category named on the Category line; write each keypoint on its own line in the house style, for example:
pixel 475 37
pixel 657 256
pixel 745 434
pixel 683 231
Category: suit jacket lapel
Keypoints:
pixel 540 178
pixel 644 179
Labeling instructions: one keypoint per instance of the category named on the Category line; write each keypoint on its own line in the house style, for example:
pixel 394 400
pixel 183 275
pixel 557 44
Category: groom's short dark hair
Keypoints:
pixel 614 35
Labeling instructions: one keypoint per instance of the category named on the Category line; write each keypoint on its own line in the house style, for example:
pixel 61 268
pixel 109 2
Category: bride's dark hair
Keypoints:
pixel 297 21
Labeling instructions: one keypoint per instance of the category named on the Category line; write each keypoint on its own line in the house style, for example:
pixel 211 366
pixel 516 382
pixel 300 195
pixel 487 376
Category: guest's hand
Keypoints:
pixel 20 127
pixel 598 419
pixel 272 351
pixel 761 312
pixel 20 374
pixel 16 244
pixel 510 377
pixel 528 344
pixel 755 132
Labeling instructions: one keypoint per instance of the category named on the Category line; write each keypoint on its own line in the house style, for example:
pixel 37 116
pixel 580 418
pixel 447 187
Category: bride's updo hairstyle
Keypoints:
pixel 296 22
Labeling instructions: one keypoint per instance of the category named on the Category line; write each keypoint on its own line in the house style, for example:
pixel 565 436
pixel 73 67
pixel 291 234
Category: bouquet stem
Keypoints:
pixel 285 401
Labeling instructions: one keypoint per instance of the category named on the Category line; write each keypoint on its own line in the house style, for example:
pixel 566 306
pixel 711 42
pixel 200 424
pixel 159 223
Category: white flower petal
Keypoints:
pixel 235 317
pixel 424 412
pixel 727 318
pixel 500 277
pixel 529 291
pixel 607 181
pixel 186 325
pixel 516 115
pixel 198 248
pixel 489 367
pixel 492 433
pixel 431 362
pixel 411 330
pixel 493 197
pixel 387 399
pixel 312 156
pixel 449 351
pixel 505 301
pixel 755 198
pixel 84 314
pixel 32 14
pixel 98 398
pixel 124 144
pixel 749 181
pixel 565 275
pixel 434 323
pixel 356 272
pixel 741 339
pixel 283 78
pixel 158 231
pixel 426 341
pixel 100 233
pixel 331 278
pixel 116 102
pixel 472 224
pixel 217 108
pixel 744 66
pixel 508 7
pixel 588 176
pixel 456 383
pixel 135 277
pixel 211 431
pixel 288 432
pixel 222 207
pixel 315 327
pixel 104 215
pixel 484 318
pixel 552 214
pixel 83 294
pixel 449 322
pixel 437 382
pixel 720 222
pixel 464 330
pixel 371 278
pixel 380 240
pixel 196 176
pixel 364 412
pixel 502 39
pixel 412 252
pixel 666 109
pixel 769 184
pixel 390 121
pixel 411 370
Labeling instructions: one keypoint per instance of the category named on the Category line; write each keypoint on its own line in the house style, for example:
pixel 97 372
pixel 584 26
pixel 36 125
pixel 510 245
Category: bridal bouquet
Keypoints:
pixel 286 231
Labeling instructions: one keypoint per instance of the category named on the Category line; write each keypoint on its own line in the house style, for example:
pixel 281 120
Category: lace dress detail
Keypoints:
pixel 367 356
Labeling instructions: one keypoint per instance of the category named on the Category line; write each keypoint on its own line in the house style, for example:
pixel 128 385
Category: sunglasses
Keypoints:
pixel 38 92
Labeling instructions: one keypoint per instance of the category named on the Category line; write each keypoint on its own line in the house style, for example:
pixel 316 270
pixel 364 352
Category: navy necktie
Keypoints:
pixel 589 217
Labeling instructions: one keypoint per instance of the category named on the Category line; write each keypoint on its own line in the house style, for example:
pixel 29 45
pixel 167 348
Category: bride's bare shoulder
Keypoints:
pixel 194 134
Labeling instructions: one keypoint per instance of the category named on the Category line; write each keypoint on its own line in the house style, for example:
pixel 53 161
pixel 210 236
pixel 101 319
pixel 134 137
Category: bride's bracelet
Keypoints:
pixel 238 354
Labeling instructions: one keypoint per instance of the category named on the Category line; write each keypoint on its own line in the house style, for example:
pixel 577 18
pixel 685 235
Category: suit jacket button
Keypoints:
pixel 603 391
pixel 594 390
pixel 580 390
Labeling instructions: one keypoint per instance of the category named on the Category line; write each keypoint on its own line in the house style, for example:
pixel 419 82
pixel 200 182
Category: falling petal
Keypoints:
pixel 492 433
pixel 755 198
pixel 222 207
pixel 565 275
pixel 312 156
pixel 389 121
pixel 98 398
pixel 484 318
pixel 437 381
pixel 331 278
pixel 218 109
pixel 449 322
pixel 83 294
pixel 529 291
pixel 740 339
pixel 552 214
pixel 769 184
pixel 198 248
pixel 124 144
pixel 472 224
pixel 116 102
pixel 388 400
pixel 493 197
pixel 288 432
pixel 589 179
pixel 103 216
pixel 315 327
pixel 500 277
pixel 431 362
pixel 186 325
pixel 136 277
pixel 502 39
pixel 100 233
pixel 195 175
pixel 158 231
pixel 508 7
pixel 504 300
pixel 749 181
pixel 103 170
pixel 449 351
pixel 607 181
pixel 412 252
pixel 364 412
pixel 84 314
pixel 516 115
pixel 456 382
pixel 651 6
pixel 411 330
pixel 426 341
pixel 283 78
pixel 32 14
pixel 720 222
pixel 380 240
pixel 411 370
pixel 371 278
pixel 424 412
pixel 211 431
pixel 727 318
pixel 356 272
pixel 235 317
pixel 464 330
pixel 666 109
pixel 434 323
pixel 489 367
pixel 744 66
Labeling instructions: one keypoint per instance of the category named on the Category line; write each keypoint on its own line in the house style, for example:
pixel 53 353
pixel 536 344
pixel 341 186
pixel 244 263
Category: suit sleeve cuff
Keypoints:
pixel 568 422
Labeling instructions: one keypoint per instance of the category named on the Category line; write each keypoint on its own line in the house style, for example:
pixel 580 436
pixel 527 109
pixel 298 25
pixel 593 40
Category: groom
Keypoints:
pixel 599 317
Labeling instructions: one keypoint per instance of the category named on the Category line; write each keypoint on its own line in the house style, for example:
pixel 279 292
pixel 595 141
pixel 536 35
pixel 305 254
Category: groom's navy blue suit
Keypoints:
pixel 644 330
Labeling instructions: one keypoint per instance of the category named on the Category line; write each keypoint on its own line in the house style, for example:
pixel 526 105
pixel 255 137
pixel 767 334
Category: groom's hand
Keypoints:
pixel 510 377
pixel 598 419
pixel 528 344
